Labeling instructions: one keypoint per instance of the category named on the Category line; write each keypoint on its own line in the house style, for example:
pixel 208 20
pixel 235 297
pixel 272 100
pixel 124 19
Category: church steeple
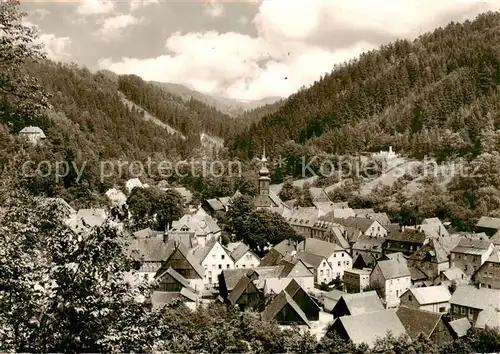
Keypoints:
pixel 264 180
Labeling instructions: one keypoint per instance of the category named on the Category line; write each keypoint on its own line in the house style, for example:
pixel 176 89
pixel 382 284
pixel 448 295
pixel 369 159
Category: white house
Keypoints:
pixel 432 298
pixel 323 273
pixel 392 278
pixel 214 258
pixel 34 135
pixel 244 257
pixel 338 258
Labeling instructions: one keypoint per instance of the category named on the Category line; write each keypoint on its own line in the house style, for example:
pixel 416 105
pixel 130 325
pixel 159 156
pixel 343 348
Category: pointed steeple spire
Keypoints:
pixel 264 171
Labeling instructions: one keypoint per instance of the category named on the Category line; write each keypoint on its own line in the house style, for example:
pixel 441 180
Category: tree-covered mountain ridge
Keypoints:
pixel 436 95
pixel 232 107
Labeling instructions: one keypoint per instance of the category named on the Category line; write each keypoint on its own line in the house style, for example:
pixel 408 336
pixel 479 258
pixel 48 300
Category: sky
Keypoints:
pixel 247 49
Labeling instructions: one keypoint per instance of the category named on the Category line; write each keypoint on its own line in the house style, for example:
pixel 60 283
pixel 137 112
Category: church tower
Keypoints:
pixel 264 180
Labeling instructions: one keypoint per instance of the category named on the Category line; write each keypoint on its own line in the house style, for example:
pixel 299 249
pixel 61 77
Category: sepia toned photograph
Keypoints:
pixel 250 176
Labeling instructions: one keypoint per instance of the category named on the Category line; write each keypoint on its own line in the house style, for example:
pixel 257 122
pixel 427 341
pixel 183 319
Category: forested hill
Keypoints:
pixel 89 122
pixel 436 95
pixel 94 108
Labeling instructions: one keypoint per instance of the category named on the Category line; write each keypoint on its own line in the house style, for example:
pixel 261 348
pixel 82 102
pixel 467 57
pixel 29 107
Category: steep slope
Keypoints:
pixel 148 117
pixel 414 96
pixel 231 107
pixel 189 117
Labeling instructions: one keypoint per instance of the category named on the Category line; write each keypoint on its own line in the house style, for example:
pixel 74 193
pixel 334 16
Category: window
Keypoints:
pixel 222 256
pixel 462 310
pixel 334 255
pixel 321 272
pixel 410 298
pixel 220 266
pixel 465 267
pixel 227 266
pixel 455 309
pixel 347 263
pixel 249 256
pixel 442 309
pixel 342 254
pixel 209 273
pixel 378 228
pixel 338 263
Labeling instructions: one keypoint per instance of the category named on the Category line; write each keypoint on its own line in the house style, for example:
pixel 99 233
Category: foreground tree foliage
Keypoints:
pixel 62 292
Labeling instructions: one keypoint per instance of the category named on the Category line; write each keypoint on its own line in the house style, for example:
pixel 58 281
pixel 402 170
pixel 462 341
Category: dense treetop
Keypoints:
pixel 435 95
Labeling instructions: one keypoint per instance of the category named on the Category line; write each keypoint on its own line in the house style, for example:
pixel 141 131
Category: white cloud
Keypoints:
pixel 56 47
pixel 42 13
pixel 214 9
pixel 138 4
pixel 114 26
pixel 297 42
pixel 95 7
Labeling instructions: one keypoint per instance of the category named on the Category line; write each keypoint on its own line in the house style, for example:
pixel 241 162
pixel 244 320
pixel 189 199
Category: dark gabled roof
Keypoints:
pixel 240 251
pixel 174 274
pixel 273 257
pixel 319 247
pixel 285 247
pixel 361 223
pixel 289 264
pixel 278 303
pixel 293 288
pixel 173 246
pixel 232 276
pixel 466 245
pixel 432 251
pixel 364 302
pixel 215 204
pixel 495 239
pixel 364 211
pixel 382 218
pixel 418 321
pixel 202 252
pixel 149 249
pixel 407 235
pixel 417 274
pixel 310 258
pixel 239 289
pixel 367 259
pixel 334 295
pixel 488 223
pixel 392 269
